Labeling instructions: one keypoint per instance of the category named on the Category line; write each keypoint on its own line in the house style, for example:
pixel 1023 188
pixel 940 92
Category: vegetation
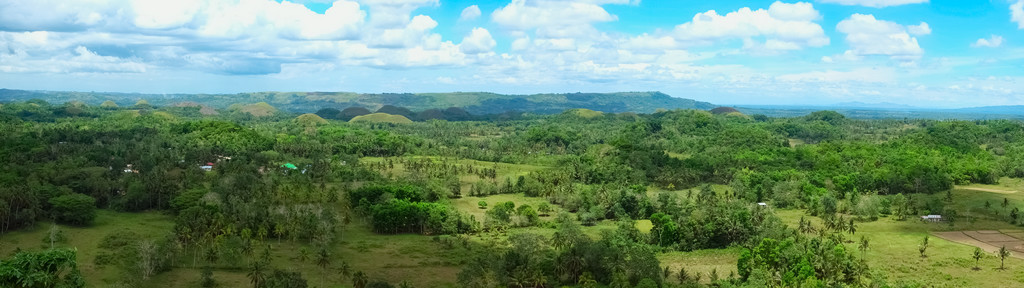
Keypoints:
pixel 170 196
pixel 381 118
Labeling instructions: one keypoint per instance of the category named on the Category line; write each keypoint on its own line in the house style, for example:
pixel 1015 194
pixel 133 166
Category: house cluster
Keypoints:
pixel 129 169
pixel 209 165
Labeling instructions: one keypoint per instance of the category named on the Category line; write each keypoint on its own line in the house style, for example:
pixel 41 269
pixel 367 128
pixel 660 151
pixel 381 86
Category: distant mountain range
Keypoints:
pixel 882 105
pixel 305 102
pixel 482 103
pixel 889 110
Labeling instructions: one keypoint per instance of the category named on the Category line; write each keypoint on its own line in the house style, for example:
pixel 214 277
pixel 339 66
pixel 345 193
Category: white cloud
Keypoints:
pixel 784 26
pixel 478 41
pixel 231 37
pixel 1017 13
pixel 869 36
pixel 78 60
pixel 873 75
pixel 800 11
pixel 393 14
pixel 920 29
pixel 992 42
pixel 470 13
pixel 874 3
pixel 550 17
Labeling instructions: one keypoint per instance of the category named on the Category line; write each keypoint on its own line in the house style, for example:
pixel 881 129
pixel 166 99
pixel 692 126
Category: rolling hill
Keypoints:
pixel 477 103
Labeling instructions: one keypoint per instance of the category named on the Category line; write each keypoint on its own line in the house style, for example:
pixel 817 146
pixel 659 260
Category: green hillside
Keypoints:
pixel 477 103
pixel 382 118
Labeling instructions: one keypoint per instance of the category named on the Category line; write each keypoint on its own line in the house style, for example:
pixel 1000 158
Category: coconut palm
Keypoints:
pixel 977 257
pixel 323 259
pixel 1003 253
pixel 359 280
pixel 257 273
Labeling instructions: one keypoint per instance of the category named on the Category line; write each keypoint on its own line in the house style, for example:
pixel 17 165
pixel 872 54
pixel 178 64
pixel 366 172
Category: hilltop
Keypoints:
pixel 477 103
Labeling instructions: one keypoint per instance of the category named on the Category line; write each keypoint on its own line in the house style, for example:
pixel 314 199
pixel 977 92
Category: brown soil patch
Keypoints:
pixel 990 190
pixel 977 239
pixel 990 237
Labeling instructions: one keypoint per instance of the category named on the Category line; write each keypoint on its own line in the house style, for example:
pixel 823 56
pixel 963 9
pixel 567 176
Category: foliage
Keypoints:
pixel 50 268
pixel 75 209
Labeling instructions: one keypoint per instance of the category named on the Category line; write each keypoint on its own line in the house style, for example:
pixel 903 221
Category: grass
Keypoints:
pixel 503 170
pixel 392 258
pixel 720 190
pixel 260 109
pixel 469 205
pixel 722 261
pixel 381 118
pixel 87 239
pixel 586 113
pixel 893 250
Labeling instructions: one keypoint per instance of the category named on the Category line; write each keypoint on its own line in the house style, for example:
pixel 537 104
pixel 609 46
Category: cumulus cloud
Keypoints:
pixel 874 3
pixel 232 37
pixel 920 29
pixel 1017 13
pixel 478 41
pixel 873 75
pixel 784 26
pixel 869 36
pixel 552 17
pixel 394 13
pixel 992 42
pixel 470 13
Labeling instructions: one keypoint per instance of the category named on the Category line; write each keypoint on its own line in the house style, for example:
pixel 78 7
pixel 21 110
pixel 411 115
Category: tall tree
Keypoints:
pixel 323 260
pixel 257 273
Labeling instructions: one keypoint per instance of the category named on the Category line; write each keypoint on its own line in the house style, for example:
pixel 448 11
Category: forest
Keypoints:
pixel 250 196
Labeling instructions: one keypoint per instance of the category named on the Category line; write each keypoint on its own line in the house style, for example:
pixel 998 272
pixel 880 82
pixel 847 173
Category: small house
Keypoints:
pixel 762 204
pixel 931 218
pixel 207 167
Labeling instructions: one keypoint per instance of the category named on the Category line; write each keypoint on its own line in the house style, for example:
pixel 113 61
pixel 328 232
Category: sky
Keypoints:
pixel 926 53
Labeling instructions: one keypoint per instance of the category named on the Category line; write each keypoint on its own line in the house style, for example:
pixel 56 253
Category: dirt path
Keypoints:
pixel 990 190
pixel 960 237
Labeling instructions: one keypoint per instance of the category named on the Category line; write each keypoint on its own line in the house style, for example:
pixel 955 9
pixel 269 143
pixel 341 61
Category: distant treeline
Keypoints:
pixel 450 114
pixel 476 103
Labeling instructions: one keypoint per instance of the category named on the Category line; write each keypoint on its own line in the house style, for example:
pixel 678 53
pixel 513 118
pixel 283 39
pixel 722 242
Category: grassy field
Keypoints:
pixel 87 240
pixel 723 261
pixel 503 169
pixel 893 250
pixel 469 205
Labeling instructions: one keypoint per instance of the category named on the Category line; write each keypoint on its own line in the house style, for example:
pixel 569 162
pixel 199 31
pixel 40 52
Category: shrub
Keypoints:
pixel 75 209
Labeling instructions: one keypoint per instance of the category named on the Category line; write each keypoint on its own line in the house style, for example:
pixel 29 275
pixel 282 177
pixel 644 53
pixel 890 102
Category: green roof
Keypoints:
pixel 289 166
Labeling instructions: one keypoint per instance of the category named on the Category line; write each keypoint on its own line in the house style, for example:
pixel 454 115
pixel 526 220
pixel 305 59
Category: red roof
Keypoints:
pixel 209 164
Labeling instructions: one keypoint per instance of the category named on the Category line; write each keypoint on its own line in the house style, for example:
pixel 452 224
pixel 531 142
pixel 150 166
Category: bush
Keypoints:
pixel 74 209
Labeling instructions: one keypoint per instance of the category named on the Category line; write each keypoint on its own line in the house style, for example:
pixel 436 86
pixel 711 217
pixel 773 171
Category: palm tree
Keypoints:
pixel 923 247
pixel 1003 253
pixel 345 269
pixel 323 259
pixel 977 257
pixel 587 280
pixel 359 280
pixel 538 279
pixel 211 254
pixel 303 254
pixel 682 275
pixel 279 232
pixel 863 246
pixel 257 273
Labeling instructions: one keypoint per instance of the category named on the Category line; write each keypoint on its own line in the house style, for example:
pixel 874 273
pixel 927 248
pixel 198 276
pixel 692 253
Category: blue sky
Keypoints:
pixel 938 53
